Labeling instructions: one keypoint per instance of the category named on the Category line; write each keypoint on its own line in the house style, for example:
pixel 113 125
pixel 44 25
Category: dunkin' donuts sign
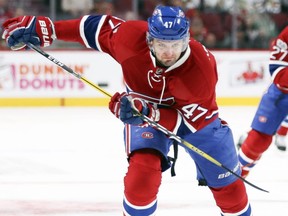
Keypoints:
pixel 47 76
pixel 28 74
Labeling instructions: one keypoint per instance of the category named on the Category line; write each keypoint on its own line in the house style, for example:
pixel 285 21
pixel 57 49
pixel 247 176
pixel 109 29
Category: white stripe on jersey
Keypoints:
pixel 100 24
pixel 276 72
pixel 81 29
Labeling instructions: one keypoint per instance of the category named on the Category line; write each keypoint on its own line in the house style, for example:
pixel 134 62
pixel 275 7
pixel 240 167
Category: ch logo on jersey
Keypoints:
pixel 147 135
pixel 159 71
pixel 262 119
pixel 156 76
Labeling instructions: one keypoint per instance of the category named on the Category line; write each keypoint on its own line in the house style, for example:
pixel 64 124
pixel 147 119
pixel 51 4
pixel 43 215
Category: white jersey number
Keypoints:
pixel 117 21
pixel 280 47
pixel 189 111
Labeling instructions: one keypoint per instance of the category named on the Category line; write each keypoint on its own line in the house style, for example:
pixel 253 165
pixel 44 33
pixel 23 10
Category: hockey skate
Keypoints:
pixel 241 140
pixel 245 163
pixel 280 142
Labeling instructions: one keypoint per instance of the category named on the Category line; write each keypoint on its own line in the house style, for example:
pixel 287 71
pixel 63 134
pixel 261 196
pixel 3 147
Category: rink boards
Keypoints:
pixel 29 79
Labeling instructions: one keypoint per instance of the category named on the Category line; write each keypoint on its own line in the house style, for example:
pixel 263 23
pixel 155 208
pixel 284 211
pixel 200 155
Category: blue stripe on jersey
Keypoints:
pixel 91 26
pixel 273 67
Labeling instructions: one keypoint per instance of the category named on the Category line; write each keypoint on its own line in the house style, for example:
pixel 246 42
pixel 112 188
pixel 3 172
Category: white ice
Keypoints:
pixel 71 162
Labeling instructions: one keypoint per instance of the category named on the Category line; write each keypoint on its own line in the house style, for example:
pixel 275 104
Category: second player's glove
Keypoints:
pixel 128 110
pixel 36 30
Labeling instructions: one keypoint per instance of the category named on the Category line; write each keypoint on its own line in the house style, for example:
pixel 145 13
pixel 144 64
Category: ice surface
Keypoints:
pixel 71 162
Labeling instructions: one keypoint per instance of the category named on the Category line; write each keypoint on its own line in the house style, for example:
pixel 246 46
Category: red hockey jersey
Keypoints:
pixel 187 86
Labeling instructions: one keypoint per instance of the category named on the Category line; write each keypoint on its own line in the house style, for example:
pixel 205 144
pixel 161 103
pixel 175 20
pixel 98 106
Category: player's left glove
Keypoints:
pixel 128 110
pixel 36 30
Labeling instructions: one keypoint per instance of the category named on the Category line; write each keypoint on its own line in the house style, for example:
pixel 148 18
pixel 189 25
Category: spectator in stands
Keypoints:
pixel 267 6
pixel 223 6
pixel 147 8
pixel 210 41
pixel 284 6
pixel 200 33
pixel 259 30
pixel 197 29
pixel 103 7
pixel 19 12
pixel 178 3
pixel 241 27
pixel 77 8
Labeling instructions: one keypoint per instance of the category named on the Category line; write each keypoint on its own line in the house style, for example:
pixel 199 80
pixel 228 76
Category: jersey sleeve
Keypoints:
pixel 92 31
pixel 118 38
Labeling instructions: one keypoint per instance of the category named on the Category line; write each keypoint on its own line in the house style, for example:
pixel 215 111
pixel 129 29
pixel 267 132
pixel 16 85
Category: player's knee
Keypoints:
pixel 232 199
pixel 143 178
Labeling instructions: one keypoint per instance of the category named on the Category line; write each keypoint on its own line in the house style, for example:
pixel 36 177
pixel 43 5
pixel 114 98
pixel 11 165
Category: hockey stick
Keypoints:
pixel 145 118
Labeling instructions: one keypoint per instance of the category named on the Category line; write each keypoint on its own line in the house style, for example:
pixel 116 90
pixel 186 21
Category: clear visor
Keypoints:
pixel 168 45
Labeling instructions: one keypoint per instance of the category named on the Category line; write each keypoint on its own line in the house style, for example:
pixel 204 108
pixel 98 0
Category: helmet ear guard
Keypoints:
pixel 149 41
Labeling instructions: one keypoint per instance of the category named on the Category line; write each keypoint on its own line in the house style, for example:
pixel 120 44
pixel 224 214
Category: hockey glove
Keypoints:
pixel 36 30
pixel 129 111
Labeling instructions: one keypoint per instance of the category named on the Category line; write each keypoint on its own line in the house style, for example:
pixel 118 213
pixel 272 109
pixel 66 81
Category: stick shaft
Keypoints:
pixel 66 68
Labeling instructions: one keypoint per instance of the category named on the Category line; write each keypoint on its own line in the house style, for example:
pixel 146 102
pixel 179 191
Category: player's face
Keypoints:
pixel 167 52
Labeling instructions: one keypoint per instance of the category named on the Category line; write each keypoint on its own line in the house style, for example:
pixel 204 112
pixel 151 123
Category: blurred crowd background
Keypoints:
pixel 218 24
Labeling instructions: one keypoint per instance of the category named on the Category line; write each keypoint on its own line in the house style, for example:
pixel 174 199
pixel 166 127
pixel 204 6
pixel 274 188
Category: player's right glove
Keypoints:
pixel 36 30
pixel 128 110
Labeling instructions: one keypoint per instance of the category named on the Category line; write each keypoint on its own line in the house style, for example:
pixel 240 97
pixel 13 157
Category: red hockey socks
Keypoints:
pixel 251 150
pixel 255 144
pixel 282 131
pixel 232 199
pixel 142 182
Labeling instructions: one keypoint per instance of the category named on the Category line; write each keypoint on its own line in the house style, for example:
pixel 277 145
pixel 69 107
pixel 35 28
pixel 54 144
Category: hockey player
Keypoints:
pixel 280 137
pixel 171 79
pixel 271 111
